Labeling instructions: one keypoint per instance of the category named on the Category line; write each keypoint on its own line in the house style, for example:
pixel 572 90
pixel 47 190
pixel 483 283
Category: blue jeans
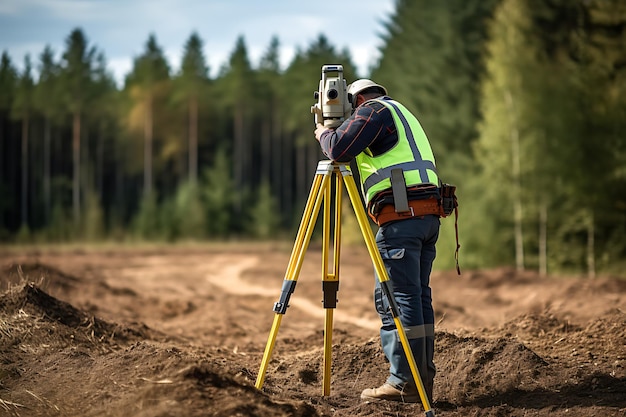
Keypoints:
pixel 407 248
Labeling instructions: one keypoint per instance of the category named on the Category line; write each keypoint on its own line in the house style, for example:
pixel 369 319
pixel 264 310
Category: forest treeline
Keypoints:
pixel 524 102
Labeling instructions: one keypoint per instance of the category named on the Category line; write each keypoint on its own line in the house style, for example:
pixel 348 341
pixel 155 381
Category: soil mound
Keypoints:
pixel 31 313
pixel 42 334
pixel 473 368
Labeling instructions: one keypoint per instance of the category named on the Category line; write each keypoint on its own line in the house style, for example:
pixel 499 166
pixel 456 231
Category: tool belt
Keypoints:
pixel 417 208
pixel 421 202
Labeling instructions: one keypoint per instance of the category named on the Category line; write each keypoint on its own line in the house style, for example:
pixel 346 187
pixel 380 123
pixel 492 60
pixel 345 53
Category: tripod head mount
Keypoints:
pixel 333 102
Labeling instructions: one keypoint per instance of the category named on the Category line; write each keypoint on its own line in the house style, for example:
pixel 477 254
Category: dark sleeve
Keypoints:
pixel 355 134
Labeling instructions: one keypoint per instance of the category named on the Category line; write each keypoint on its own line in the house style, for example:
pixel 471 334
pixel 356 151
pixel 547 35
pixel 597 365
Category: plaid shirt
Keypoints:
pixel 370 126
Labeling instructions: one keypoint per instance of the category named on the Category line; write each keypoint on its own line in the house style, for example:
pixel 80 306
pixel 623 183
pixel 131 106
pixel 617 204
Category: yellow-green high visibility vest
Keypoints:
pixel 412 154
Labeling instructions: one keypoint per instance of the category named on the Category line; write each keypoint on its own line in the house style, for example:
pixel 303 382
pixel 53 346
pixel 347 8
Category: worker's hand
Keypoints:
pixel 319 130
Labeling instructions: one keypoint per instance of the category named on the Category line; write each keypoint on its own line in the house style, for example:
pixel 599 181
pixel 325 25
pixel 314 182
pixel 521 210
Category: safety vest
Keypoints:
pixel 412 154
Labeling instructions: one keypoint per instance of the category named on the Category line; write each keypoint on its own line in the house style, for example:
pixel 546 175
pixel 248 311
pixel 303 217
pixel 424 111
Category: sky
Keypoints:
pixel 120 28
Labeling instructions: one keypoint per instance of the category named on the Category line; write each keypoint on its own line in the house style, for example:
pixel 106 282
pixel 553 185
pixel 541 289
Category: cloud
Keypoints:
pixel 120 28
pixel 56 9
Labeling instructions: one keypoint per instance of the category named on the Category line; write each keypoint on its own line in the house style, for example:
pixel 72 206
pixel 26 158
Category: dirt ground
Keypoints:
pixel 181 331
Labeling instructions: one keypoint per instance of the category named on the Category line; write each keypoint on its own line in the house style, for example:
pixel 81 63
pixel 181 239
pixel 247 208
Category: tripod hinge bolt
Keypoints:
pixel 280 308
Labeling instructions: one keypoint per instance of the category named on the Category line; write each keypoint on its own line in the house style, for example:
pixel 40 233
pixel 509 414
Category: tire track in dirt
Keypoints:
pixel 236 285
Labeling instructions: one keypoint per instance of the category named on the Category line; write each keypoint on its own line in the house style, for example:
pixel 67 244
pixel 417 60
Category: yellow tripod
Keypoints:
pixel 321 191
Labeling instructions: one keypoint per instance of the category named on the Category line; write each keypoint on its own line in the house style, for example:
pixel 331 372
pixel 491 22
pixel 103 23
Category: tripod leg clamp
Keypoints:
pixel 330 289
pixel 281 305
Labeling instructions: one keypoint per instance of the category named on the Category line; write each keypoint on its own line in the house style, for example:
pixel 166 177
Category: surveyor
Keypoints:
pixel 399 182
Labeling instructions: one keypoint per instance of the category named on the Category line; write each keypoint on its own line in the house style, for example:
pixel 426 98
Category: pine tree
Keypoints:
pixel 432 60
pixel 264 219
pixel 76 77
pixel 548 134
pixel 590 47
pixel 271 114
pixel 188 213
pixel 147 85
pixel 238 85
pixel 22 110
pixel 8 84
pixel 218 196
pixel 507 132
pixel 48 104
pixel 192 89
pixel 103 113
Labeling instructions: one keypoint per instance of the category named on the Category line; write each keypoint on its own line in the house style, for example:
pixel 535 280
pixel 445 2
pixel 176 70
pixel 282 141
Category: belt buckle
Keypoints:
pixel 409 213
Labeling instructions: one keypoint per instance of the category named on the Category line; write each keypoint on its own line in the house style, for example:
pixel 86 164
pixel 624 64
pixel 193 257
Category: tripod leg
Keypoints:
pixel 370 242
pixel 303 237
pixel 330 284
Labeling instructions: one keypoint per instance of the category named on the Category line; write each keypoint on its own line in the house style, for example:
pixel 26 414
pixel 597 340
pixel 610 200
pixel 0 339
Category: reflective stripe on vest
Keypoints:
pixel 412 154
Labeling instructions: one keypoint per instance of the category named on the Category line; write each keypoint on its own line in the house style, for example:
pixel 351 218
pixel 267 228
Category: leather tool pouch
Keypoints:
pixel 448 200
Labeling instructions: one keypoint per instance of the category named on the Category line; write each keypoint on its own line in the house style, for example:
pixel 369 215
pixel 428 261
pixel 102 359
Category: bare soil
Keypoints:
pixel 181 331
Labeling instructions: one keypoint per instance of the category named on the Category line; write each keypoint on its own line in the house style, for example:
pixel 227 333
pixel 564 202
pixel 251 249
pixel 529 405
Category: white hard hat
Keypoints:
pixel 363 84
